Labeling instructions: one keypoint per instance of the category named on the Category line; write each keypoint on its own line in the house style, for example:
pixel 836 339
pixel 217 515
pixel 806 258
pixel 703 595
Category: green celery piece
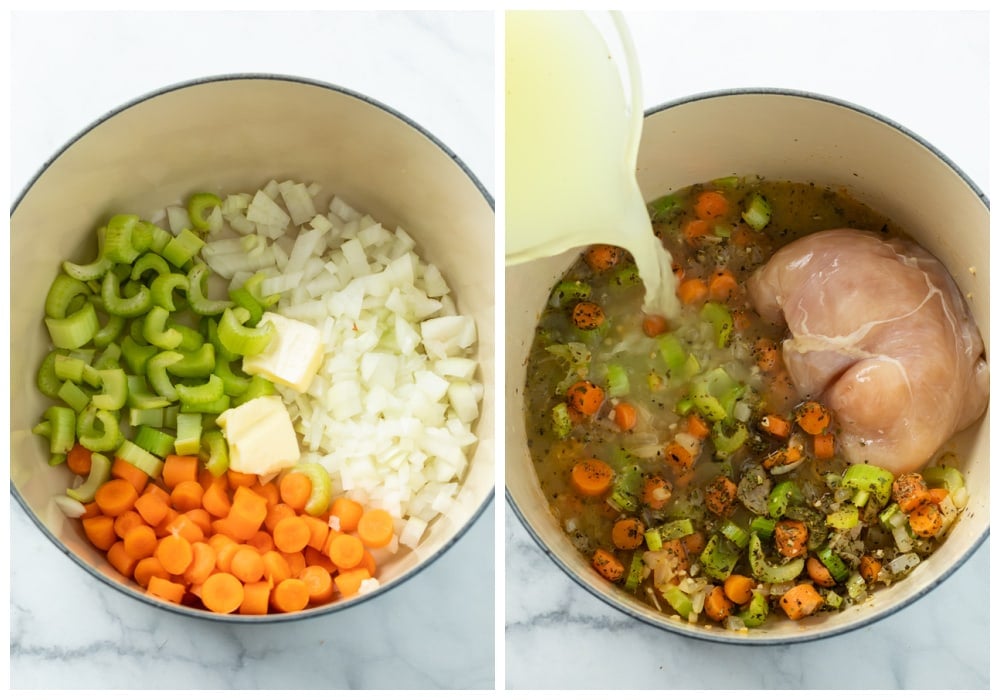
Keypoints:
pixel 834 564
pixel 114 390
pixel 215 452
pixel 182 248
pixel 233 384
pixel 62 424
pixel 239 339
pixel 76 330
pixel 116 305
pixel 663 207
pixel 781 496
pixel 46 380
pixel 719 557
pixel 678 600
pixel 844 518
pixel 163 287
pixel 95 270
pixel 154 441
pixel 562 424
pixel 69 368
pixel 569 292
pixel 635 569
pixel 100 472
pixel 322 487
pixel 654 543
pixel 213 407
pixel 110 436
pixel 755 613
pixel 197 296
pixel 110 332
pixel 244 299
pixel 758 212
pixel 721 320
pixel 75 397
pixel 253 285
pixel 259 386
pixel 141 458
pixel 729 182
pixel 770 573
pixel 205 393
pixel 618 384
pixel 734 533
pixel 188 440
pixel 195 365
pixel 157 237
pixel 156 373
pixel 136 355
pixel 627 490
pixel 762 526
pixel 152 417
pixel 211 327
pixel 675 529
pixel 149 262
pixel 154 329
pixel 868 477
pixel 63 290
pixel 948 477
pixel 191 339
pixel 726 444
pixel 672 351
pixel 196 206
pixel 118 244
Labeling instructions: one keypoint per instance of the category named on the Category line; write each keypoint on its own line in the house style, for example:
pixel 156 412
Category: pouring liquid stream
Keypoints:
pixel 572 144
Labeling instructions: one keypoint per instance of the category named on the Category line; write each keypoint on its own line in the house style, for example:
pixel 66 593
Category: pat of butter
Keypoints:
pixel 292 358
pixel 260 436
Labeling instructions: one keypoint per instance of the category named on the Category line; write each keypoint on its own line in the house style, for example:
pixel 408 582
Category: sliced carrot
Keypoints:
pixel 140 542
pixel 586 397
pixel 709 205
pixel 739 588
pixel 678 456
pixel 587 315
pixel 654 325
pixel 185 527
pixel 276 513
pixel 115 496
pixel 187 495
pixel 100 530
pixel 256 598
pixel 90 510
pixel 78 460
pixel 319 583
pixel 236 479
pixel 656 492
pixel 348 512
pixel 349 582
pixel 608 565
pixel 697 426
pixel 165 589
pixel 800 601
pixel 695 231
pixel 296 561
pixel 174 552
pixel 261 541
pixel 926 520
pixel 937 495
pixel 295 489
pixel 720 496
pixel 717 606
pixel 692 290
pixel 368 563
pixel 345 551
pixel 121 560
pixel 215 498
pixel 625 416
pixel 765 353
pixel 910 491
pixel 318 530
pixel 146 568
pixel 869 568
pixel 317 557
pixel 126 521
pixel 628 533
pixel 602 257
pixel 162 530
pixel 775 425
pixel 178 468
pixel 153 490
pixel 790 537
pixel 722 285
pixel 269 491
pixel 121 469
pixel 203 558
pixel 247 565
pixel 812 417
pixel 291 595
pixel 276 567
pixel 591 477
pixel 247 512
pixel 694 544
pixel 222 593
pixel 823 446
pixel 820 575
pixel 202 518
pixel 291 534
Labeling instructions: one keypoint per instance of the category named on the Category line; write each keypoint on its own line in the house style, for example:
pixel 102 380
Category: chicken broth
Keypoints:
pixel 679 457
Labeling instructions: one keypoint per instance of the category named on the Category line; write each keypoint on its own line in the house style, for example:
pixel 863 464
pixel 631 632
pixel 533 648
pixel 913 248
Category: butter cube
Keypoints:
pixel 260 436
pixel 292 358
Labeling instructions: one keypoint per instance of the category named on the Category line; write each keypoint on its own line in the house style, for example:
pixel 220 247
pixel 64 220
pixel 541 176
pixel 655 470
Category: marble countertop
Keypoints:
pixel 68 630
pixel 929 72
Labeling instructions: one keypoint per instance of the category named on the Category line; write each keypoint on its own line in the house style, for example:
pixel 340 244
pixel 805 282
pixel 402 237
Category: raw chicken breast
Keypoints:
pixel 881 334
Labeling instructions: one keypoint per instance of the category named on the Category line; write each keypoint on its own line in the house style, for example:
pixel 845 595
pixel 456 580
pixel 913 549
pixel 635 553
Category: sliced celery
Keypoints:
pixel 74 331
pixel 114 392
pixel 239 339
pixel 755 613
pixel 204 393
pixel 721 320
pixel 782 495
pixel 63 290
pixel 153 417
pixel 562 423
pixel 110 332
pixel 197 297
pixel 234 384
pixel 163 287
pixel 758 212
pixel 834 564
pixel 190 338
pixel 136 355
pixel 188 440
pixel 719 557
pixel 618 384
pixel 213 407
pixel 156 373
pixel 155 331
pixel 322 487
pixel 69 368
pixel 94 270
pixel 136 305
pixel 62 426
pixel 100 472
pixel 143 459
pixel 75 397
pixel 195 365
pixel 868 477
pixel 47 381
pixel 118 245
pixel 196 206
pixel 771 573
pixel 154 441
pixel 181 248
pixel 109 438
pixel 150 262
pixel 244 299
pixel 215 452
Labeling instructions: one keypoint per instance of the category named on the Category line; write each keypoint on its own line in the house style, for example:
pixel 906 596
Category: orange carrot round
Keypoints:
pixel 346 551
pixel 140 542
pixel 608 565
pixel 722 285
pixel 291 595
pixel 256 598
pixel 115 496
pixel 717 606
pixel 601 257
pixel 592 477
pixel 100 530
pixel 78 460
pixel 295 489
pixel 126 521
pixel 247 564
pixel 174 552
pixel 348 512
pixel 203 557
pixel 222 593
pixel 800 601
pixel 790 537
pixel 692 290
pixel 276 567
pixel 695 231
pixel 165 589
pixel 319 583
pixel 121 560
pixel 121 469
pixel 291 534
pixel 820 575
pixel 187 496
pixel 349 582
pixel 625 416
pixel 627 533
pixel 587 315
pixel 376 528
pixel 738 588
pixel 823 446
pixel 654 325
pixel 178 468
pixel 709 205
pixel 146 568
pixel 656 492
pixel 720 496
pixel 586 397
pixel 812 417
pixel 152 508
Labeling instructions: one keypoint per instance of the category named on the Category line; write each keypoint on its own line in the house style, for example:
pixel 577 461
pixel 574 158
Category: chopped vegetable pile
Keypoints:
pixel 263 448
pixel 677 455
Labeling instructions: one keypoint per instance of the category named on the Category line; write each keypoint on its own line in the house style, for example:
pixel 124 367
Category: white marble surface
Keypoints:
pixel 928 72
pixel 67 630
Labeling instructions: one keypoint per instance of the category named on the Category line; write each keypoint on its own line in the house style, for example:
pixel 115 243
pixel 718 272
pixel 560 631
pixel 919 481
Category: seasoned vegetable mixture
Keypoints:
pixel 677 454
